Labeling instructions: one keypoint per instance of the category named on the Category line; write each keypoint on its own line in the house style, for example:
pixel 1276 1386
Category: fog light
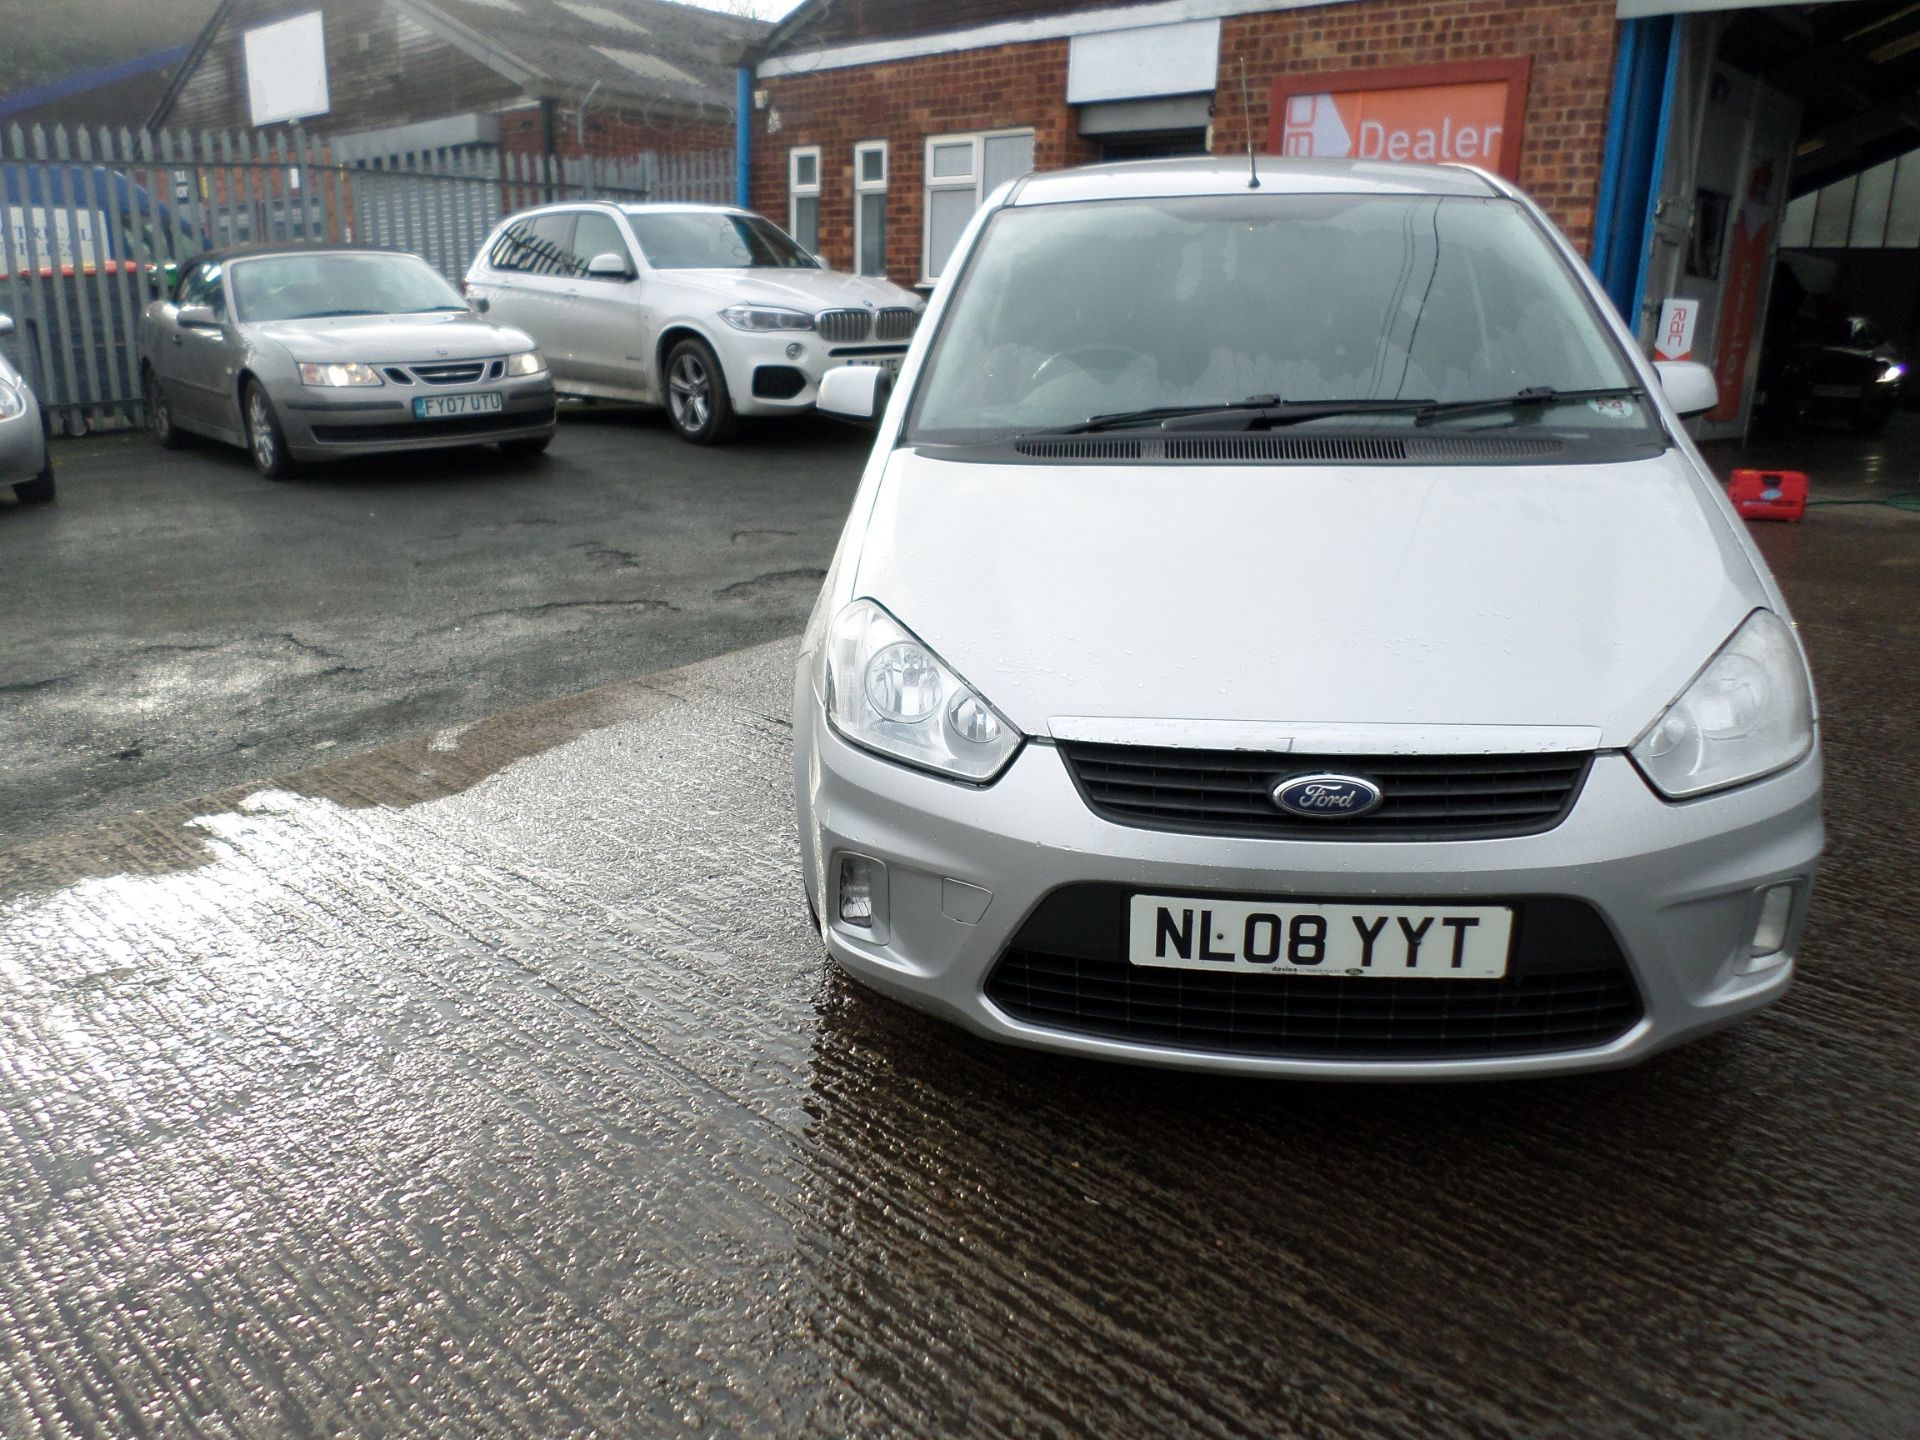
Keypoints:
pixel 795 350
pixel 858 886
pixel 1768 945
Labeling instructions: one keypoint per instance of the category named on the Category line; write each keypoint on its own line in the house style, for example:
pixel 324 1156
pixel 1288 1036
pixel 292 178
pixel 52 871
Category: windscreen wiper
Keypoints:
pixel 1256 412
pixel 1531 396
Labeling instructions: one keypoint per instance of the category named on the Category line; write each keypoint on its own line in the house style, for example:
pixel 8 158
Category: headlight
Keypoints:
pixel 1892 374
pixel 332 375
pixel 1749 713
pixel 890 693
pixel 763 317
pixel 12 402
pixel 527 362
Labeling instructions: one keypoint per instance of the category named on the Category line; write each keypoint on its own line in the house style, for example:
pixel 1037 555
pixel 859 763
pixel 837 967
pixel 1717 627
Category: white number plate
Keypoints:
pixel 1274 937
pixel 440 407
pixel 888 363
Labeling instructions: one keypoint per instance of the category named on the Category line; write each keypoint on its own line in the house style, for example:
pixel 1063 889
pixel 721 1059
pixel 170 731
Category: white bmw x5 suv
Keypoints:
pixel 713 312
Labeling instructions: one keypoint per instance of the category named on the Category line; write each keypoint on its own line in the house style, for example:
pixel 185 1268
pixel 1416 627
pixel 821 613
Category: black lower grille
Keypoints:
pixel 1567 988
pixel 478 426
pixel 777 382
pixel 1425 797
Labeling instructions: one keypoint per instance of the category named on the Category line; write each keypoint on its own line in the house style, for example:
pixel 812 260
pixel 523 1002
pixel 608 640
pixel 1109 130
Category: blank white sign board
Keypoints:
pixel 287 69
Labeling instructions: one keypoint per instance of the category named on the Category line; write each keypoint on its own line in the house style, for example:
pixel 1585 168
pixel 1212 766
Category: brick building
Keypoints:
pixel 1665 137
pixel 880 124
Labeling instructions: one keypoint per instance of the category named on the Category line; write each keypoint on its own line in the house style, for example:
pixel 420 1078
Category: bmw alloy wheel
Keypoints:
pixel 690 392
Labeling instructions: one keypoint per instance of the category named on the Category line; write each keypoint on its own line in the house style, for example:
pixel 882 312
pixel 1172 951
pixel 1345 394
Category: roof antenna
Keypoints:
pixel 1246 116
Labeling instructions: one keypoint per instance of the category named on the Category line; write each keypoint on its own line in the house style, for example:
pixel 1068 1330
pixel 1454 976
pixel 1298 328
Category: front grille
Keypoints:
pixel 837 327
pixel 478 426
pixel 897 324
pixel 1567 987
pixel 1229 792
pixel 450 372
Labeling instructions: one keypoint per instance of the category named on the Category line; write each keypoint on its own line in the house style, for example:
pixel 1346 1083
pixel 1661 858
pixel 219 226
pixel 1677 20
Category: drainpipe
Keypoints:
pixel 549 144
pixel 743 137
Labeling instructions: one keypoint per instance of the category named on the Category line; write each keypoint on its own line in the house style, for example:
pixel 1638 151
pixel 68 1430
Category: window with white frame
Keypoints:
pixel 870 207
pixel 962 170
pixel 803 195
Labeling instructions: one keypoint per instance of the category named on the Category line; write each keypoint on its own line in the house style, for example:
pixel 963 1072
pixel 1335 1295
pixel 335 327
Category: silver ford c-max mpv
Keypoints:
pixel 1286 630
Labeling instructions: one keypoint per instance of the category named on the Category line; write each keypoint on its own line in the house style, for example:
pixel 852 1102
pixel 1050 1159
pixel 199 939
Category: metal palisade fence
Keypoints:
pixel 98 224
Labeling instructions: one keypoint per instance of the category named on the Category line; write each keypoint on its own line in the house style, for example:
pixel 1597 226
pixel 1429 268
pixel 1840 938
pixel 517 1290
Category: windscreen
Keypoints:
pixel 1069 311
pixel 310 287
pixel 709 240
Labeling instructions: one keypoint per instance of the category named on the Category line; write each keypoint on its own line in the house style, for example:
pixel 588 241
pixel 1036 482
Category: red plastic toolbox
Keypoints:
pixel 1768 494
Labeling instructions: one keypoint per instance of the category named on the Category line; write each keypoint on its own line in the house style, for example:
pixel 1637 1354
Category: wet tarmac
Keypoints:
pixel 493 1084
pixel 176 624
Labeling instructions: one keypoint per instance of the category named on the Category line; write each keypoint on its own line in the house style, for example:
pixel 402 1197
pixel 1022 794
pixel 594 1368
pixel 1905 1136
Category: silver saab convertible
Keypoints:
pixel 322 353
pixel 1287 630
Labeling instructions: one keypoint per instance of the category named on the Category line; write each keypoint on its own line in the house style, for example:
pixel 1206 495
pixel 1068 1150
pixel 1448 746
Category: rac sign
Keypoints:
pixel 1469 114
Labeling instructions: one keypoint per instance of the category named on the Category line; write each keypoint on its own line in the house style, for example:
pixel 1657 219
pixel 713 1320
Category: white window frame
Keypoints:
pixel 797 192
pixel 975 181
pixel 863 187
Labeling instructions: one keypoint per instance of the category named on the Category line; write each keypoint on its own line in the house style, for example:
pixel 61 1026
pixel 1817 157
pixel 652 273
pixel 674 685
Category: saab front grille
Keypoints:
pixel 451 372
pixel 1567 988
pixel 839 326
pixel 896 324
pixel 1230 792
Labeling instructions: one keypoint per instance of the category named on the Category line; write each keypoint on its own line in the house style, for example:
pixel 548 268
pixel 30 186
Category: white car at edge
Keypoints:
pixel 713 312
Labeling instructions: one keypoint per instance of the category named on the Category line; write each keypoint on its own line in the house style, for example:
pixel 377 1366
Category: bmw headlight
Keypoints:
pixel 1749 713
pixel 890 693
pixel 760 318
pixel 527 362
pixel 12 402
pixel 353 373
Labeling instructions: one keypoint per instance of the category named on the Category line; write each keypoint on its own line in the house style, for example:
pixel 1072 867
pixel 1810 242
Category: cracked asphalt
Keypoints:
pixel 176 624
pixel 491 1083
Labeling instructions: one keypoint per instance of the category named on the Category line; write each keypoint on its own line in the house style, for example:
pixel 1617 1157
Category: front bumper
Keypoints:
pixel 1677 885
pixel 23 442
pixel 324 424
pixel 751 361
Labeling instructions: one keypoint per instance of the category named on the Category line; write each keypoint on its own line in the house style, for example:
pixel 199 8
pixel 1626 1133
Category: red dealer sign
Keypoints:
pixel 1470 113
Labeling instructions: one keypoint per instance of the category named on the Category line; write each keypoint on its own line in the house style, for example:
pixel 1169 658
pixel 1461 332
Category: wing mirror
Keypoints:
pixel 609 267
pixel 199 317
pixel 1690 386
pixel 6 324
pixel 855 392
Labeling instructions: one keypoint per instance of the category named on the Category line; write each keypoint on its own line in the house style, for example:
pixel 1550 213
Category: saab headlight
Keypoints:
pixel 353 373
pixel 527 362
pixel 761 318
pixel 1747 714
pixel 888 692
pixel 12 402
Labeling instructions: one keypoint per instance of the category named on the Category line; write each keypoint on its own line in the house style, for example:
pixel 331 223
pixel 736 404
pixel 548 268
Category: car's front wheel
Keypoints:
pixel 265 440
pixel 160 415
pixel 697 399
